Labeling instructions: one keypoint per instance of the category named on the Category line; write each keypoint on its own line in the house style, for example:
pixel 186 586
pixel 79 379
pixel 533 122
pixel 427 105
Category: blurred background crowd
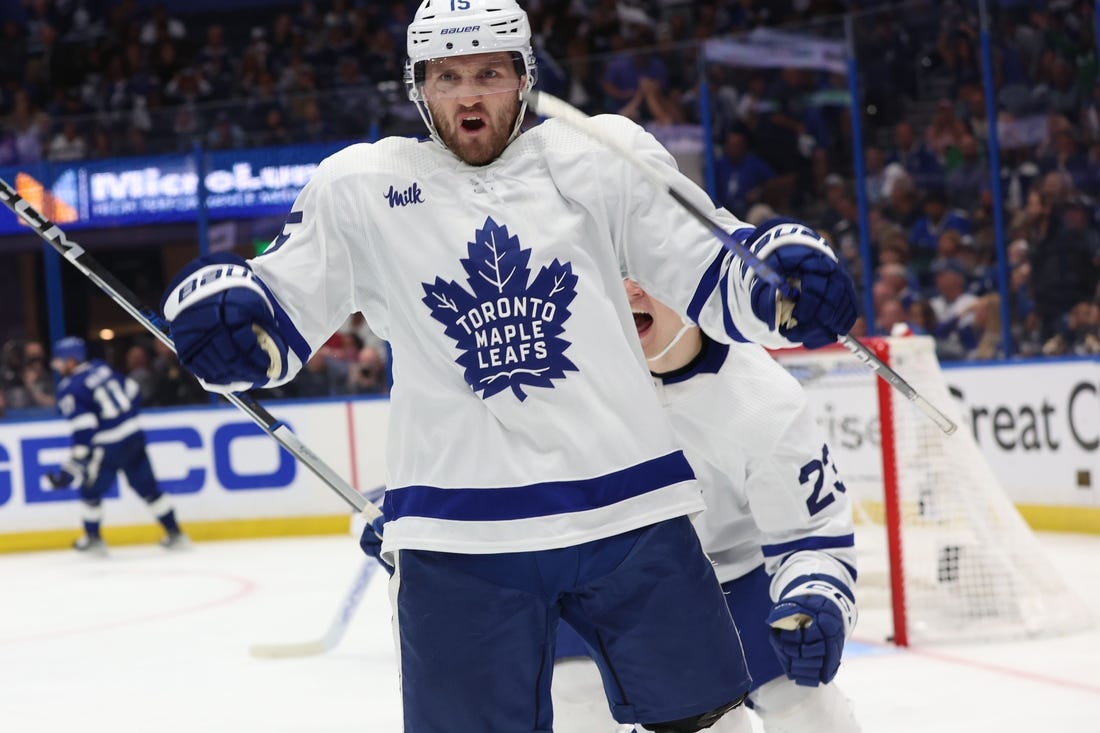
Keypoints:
pixel 87 79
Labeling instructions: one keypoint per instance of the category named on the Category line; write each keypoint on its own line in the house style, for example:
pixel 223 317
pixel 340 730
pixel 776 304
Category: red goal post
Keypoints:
pixel 942 552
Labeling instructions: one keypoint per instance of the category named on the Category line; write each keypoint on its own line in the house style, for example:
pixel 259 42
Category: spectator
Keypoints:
pixel 171 384
pixel 187 87
pixel 1079 334
pixel 68 144
pixel 976 261
pixel 918 161
pixel 953 309
pixel 368 374
pixel 922 320
pixel 987 324
pixel 891 318
pixel 622 77
pixel 162 27
pixel 1065 267
pixel 965 181
pixel 215 62
pixel 936 220
pixel 226 134
pixel 314 380
pixel 312 124
pixel 37 379
pixel 187 127
pixel 1066 156
pixel 741 175
pixel 903 204
pixel 138 369
pixel 650 105
pixel 944 134
pixel 874 160
pixel 899 283
pixel 29 126
pixel 274 130
pixel 957 52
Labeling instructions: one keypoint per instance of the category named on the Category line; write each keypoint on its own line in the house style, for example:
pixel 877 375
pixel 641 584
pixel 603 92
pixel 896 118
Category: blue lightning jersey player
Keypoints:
pixel 102 408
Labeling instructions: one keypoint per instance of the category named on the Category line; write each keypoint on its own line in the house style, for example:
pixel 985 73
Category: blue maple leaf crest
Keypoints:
pixel 509 331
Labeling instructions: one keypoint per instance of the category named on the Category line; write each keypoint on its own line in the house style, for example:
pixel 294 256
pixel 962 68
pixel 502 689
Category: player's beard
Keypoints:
pixel 483 149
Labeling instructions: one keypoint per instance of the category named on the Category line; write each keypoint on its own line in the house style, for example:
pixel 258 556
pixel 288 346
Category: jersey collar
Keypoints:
pixel 709 360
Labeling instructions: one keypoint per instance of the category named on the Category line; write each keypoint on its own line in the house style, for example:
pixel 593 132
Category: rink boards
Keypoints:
pixel 1037 423
pixel 226 477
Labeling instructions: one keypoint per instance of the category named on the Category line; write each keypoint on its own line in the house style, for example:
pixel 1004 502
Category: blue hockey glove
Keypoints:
pixel 71 474
pixel 60 479
pixel 213 305
pixel 826 305
pixel 809 626
pixel 371 542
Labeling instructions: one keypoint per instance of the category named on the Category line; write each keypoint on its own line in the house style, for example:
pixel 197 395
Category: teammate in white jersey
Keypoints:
pixel 529 478
pixel 778 524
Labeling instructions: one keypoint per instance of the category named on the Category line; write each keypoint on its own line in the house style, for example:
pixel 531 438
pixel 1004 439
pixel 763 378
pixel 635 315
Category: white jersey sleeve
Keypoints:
pixel 499 288
pixel 673 256
pixel 772 488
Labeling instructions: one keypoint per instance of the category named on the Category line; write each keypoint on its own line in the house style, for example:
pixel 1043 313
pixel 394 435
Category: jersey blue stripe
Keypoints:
pixel 707 284
pixel 808 543
pixel 837 583
pixel 536 500
pixel 727 320
pixel 291 336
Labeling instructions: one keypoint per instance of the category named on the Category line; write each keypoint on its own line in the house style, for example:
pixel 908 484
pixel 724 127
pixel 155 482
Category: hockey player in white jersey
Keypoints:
pixel 529 477
pixel 778 526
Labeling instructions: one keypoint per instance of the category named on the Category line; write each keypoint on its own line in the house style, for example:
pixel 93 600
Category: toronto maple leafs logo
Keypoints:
pixel 509 332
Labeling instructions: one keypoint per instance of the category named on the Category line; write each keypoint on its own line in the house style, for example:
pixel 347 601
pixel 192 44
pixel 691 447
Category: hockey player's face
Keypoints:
pixel 657 324
pixel 474 101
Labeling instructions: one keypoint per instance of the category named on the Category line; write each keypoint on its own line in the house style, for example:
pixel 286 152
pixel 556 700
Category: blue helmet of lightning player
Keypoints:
pixel 70 347
pixel 444 28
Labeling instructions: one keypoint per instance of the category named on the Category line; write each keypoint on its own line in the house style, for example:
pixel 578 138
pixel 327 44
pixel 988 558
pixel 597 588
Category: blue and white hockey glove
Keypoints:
pixel 71 474
pixel 371 542
pixel 826 305
pixel 809 624
pixel 224 325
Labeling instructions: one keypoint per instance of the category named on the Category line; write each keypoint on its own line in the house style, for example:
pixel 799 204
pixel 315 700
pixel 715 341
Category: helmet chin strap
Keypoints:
pixel 687 325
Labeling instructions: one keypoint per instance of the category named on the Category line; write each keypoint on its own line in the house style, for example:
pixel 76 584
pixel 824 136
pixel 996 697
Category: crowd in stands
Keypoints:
pixel 928 187
pixel 101 78
pixel 353 362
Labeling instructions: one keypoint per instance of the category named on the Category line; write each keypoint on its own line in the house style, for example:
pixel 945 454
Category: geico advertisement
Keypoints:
pixel 1037 425
pixel 215 463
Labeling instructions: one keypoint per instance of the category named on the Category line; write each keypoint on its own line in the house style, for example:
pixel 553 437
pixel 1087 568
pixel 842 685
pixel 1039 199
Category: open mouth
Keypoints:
pixel 642 321
pixel 472 123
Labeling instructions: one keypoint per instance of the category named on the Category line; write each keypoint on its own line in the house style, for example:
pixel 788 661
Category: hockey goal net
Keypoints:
pixel 943 553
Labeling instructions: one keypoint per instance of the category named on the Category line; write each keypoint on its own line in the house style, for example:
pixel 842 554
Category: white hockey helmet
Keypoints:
pixel 444 28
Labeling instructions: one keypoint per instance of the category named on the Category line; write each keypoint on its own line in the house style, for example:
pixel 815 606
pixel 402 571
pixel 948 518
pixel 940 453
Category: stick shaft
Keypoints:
pixel 335 630
pixel 118 292
pixel 550 106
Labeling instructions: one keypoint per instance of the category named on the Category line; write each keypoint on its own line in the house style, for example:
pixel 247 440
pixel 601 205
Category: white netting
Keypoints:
pixel 971 566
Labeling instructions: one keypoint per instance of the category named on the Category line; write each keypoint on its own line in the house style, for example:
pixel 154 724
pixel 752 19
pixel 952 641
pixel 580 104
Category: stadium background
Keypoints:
pixel 961 195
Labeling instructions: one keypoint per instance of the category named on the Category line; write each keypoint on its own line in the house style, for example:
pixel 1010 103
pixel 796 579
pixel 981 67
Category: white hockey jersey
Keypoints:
pixel 772 488
pixel 521 418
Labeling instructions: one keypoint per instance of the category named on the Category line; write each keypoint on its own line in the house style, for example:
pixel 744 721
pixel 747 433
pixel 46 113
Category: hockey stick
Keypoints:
pixel 335 630
pixel 547 105
pixel 339 624
pixel 152 322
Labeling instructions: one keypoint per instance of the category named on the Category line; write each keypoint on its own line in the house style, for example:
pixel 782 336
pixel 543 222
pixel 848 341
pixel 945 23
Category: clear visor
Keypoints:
pixel 458 77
